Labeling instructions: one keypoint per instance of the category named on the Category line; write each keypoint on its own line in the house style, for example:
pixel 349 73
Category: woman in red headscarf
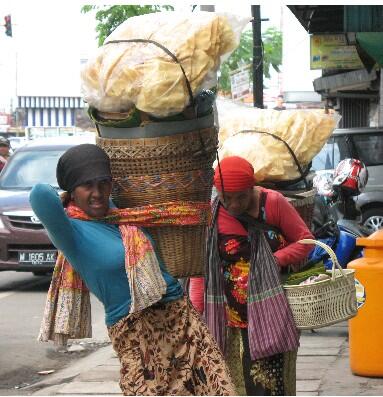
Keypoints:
pixel 253 238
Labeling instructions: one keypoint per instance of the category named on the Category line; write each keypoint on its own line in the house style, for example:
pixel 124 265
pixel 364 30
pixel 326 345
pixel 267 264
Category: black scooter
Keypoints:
pixel 337 223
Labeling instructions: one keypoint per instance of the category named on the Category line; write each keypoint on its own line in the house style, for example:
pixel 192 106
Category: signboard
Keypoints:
pixel 331 51
pixel 240 83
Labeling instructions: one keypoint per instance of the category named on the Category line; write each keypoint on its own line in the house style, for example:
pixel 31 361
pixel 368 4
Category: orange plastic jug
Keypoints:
pixel 366 328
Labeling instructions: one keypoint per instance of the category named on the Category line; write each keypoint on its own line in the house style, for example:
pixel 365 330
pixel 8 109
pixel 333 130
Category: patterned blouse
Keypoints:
pixel 235 254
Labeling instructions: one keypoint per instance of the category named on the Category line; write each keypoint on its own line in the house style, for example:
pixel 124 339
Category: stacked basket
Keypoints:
pixel 155 170
pixel 162 161
pixel 303 202
pixel 151 90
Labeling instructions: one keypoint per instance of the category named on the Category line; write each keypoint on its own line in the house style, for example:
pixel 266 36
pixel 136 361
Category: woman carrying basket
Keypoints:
pixel 163 346
pixel 252 239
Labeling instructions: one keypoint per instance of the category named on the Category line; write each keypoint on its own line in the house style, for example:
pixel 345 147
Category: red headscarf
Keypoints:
pixel 237 175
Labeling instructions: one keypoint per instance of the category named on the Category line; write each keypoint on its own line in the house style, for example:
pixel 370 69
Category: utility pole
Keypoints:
pixel 257 57
pixel 380 108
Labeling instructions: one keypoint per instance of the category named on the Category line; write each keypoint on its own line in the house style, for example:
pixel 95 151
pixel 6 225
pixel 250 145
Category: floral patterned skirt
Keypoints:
pixel 269 376
pixel 166 349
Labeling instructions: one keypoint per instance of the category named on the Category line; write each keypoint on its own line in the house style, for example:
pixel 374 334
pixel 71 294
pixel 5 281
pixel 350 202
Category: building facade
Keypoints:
pixel 354 91
pixel 49 111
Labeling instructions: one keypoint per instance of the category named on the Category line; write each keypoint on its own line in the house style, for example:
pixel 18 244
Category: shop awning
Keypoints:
pixel 372 44
pixel 339 18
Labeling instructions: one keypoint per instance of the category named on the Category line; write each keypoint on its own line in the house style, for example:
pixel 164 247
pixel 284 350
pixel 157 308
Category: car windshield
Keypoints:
pixel 27 168
pixel 370 148
pixel 324 159
pixel 336 149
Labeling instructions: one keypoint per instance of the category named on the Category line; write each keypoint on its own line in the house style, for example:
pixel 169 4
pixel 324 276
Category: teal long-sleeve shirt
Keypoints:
pixel 96 252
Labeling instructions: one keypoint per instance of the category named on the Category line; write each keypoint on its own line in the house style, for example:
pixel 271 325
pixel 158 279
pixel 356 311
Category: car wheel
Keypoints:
pixel 373 219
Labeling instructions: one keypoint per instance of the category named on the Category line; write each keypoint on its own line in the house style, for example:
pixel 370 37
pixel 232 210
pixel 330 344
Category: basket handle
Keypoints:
pixel 297 163
pixel 329 250
pixel 168 52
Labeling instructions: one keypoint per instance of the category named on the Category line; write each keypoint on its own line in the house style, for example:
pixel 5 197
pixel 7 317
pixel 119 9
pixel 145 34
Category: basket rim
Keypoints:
pixel 348 272
pixel 165 139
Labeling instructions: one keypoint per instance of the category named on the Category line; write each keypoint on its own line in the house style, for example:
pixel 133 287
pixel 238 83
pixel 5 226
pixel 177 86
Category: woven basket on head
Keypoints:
pixel 194 185
pixel 324 302
pixel 168 168
pixel 153 156
pixel 182 248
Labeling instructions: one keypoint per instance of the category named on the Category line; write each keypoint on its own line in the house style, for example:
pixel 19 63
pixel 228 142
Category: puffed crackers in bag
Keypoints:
pixel 305 131
pixel 121 75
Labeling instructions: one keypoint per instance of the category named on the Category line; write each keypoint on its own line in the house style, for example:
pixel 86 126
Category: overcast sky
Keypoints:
pixel 51 37
pixel 47 44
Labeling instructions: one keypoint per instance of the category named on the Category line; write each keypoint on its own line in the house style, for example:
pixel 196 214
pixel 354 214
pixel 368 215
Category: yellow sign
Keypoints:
pixel 331 51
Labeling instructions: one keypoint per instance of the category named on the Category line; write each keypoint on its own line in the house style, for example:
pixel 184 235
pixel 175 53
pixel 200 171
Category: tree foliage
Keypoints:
pixel 109 18
pixel 243 55
pixel 272 47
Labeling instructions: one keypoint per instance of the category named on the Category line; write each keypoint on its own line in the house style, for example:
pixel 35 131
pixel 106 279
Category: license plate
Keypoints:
pixel 37 258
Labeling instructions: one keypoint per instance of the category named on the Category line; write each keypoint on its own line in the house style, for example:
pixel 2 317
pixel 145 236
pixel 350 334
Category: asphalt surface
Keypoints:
pixel 22 298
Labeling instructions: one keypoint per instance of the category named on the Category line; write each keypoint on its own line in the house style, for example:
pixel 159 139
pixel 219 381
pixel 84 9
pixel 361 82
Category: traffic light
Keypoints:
pixel 8 25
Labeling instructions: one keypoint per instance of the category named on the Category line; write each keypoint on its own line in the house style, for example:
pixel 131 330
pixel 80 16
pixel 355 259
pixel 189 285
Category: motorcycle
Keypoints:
pixel 336 220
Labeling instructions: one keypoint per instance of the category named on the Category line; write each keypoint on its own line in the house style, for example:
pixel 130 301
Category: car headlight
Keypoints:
pixel 1 224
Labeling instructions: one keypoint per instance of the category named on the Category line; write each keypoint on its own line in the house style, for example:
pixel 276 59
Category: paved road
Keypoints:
pixel 22 298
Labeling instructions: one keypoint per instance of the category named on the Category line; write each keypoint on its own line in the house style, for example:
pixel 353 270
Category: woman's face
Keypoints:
pixel 4 150
pixel 237 203
pixel 93 197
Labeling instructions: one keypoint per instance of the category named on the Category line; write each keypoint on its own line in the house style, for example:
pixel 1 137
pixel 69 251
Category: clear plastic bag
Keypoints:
pixel 305 131
pixel 124 74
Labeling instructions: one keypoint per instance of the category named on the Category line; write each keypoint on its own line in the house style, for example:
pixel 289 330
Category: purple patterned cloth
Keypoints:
pixel 271 326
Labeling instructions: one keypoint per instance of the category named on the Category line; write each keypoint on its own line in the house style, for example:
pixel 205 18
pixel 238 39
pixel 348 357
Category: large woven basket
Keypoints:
pixel 303 202
pixel 182 248
pixel 153 156
pixel 324 302
pixel 133 190
pixel 167 168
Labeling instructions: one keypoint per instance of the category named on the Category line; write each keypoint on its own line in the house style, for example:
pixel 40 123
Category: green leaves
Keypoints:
pixel 243 55
pixel 272 45
pixel 109 17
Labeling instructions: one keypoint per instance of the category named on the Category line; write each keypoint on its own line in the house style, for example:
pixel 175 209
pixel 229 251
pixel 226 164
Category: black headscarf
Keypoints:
pixel 81 164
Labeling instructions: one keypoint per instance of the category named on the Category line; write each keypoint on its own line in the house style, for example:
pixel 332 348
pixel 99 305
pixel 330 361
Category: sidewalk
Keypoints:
pixel 322 369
